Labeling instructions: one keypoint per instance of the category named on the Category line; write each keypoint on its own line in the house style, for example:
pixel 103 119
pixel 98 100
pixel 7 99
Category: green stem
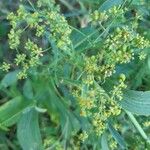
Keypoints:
pixel 31 4
pixel 70 7
pixel 138 126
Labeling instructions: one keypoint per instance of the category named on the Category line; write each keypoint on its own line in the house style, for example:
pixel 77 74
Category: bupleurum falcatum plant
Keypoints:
pixel 81 93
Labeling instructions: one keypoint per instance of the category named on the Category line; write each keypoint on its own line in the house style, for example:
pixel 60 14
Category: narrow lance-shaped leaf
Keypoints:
pixel 104 142
pixel 28 90
pixel 28 131
pixel 110 3
pixel 119 139
pixel 9 79
pixel 137 102
pixel 138 126
pixel 11 110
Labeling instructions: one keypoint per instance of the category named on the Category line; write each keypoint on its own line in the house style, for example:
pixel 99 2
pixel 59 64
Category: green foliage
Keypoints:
pixel 10 111
pixel 28 130
pixel 137 102
pixel 72 74
pixel 104 142
pixel 9 79
pixel 117 136
pixel 110 3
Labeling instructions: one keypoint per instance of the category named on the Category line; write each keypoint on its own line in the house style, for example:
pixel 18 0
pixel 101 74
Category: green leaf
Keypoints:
pixel 148 62
pixel 9 79
pixel 104 142
pixel 84 38
pixel 138 126
pixel 136 2
pixel 137 102
pixel 119 139
pixel 91 2
pixel 110 3
pixel 28 90
pixel 28 131
pixel 11 111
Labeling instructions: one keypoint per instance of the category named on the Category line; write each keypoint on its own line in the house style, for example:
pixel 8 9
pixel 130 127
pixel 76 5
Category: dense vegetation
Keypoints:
pixel 74 74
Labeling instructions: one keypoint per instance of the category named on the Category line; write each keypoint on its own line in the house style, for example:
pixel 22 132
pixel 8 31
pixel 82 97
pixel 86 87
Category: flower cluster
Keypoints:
pixel 112 143
pixel 59 29
pixel 98 16
pixel 117 90
pixel 146 124
pixel 103 16
pixel 83 136
pixel 43 21
pixel 118 48
pixel 99 105
pixel 52 142
pixel 5 66
pixel 32 60
pixel 96 103
pixel 14 37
